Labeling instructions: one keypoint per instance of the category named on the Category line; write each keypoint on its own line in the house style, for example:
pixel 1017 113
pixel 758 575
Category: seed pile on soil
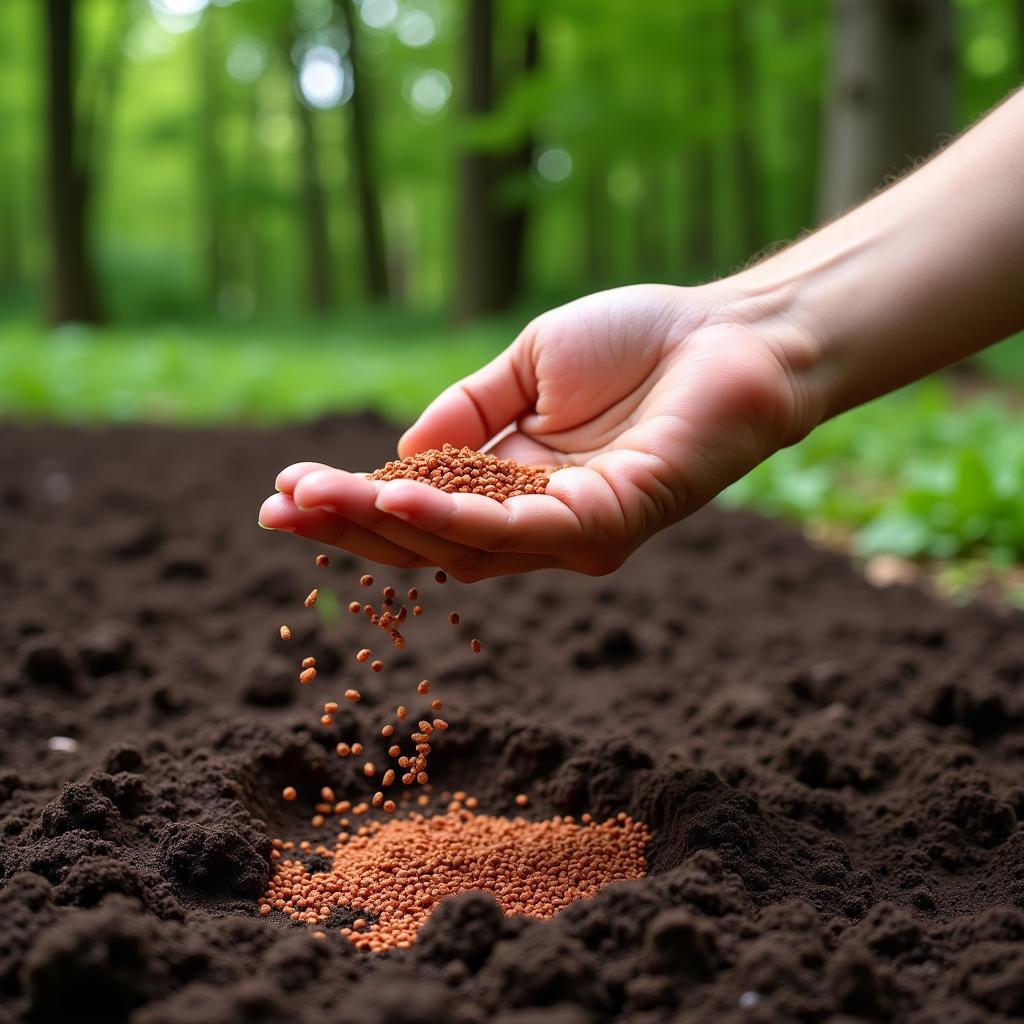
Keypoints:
pixel 831 774
pixel 467 471
pixel 399 870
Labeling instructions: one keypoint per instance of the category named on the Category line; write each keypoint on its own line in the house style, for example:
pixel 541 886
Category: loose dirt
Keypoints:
pixel 831 774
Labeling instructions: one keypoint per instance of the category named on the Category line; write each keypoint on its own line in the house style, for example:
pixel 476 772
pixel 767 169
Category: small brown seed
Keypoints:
pixel 286 633
pixel 417 610
pixel 522 800
pixel 366 581
pixel 307 675
pixel 355 607
pixel 327 719
pixel 394 750
pixel 423 687
pixel 400 711
pixel 413 594
pixel 353 695
pixel 322 561
pixel 378 799
pixel 389 806
pixel 453 618
pixel 331 707
pixel 376 665
pixel 389 593
pixel 389 777
pixel 311 598
pixel 440 576
pixel 408 778
pixel 317 821
pixel 357 748
pixel 289 793
pixel 308 662
pixel 363 654
pixel 388 730
pixel 440 723
pixel 369 770
pixel 437 704
pixel 475 646
pixel 343 750
pixel 421 778
pixel 327 793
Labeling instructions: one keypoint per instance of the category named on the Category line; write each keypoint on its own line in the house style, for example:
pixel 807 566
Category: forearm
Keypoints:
pixel 923 274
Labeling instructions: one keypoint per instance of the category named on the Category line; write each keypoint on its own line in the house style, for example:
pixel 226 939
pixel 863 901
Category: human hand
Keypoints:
pixel 654 398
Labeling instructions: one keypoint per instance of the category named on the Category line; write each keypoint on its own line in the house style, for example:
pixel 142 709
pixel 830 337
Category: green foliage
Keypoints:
pixel 393 365
pixel 920 474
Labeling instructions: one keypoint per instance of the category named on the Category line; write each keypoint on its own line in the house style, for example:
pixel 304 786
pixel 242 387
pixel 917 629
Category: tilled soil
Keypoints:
pixel 832 773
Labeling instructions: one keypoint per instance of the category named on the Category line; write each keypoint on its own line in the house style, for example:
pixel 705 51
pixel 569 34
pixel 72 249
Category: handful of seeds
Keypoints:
pixel 466 471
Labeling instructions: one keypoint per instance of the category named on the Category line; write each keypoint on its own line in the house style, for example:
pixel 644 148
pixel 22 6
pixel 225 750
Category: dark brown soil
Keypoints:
pixel 832 773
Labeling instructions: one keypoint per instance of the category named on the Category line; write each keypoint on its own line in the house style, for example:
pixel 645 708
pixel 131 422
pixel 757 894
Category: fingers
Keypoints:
pixel 289 477
pixel 472 411
pixel 353 498
pixel 578 522
pixel 279 512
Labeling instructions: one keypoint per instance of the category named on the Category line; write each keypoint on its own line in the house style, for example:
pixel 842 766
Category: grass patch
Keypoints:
pixel 256 373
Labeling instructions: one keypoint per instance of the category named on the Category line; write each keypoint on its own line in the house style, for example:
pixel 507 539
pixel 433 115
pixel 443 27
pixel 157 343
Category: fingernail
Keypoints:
pixel 263 526
pixel 399 513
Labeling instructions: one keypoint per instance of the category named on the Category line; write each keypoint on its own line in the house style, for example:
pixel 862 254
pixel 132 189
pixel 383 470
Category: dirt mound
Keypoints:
pixel 831 773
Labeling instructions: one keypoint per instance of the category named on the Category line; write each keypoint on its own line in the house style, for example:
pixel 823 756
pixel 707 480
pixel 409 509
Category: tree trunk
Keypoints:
pixel 475 242
pixel 745 92
pixel 374 257
pixel 700 238
pixel 510 219
pixel 318 244
pixel 891 97
pixel 211 171
pixel 491 234
pixel 73 295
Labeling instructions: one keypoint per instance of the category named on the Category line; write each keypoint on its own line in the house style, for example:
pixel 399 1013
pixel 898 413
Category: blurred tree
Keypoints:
pixel 211 184
pixel 891 99
pixel 492 211
pixel 318 244
pixel 73 294
pixel 364 163
pixel 745 91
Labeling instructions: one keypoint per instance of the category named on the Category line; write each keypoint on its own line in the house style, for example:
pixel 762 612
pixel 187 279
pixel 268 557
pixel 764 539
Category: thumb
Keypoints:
pixel 474 409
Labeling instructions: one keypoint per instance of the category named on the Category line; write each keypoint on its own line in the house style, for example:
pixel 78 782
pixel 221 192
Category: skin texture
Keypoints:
pixel 656 397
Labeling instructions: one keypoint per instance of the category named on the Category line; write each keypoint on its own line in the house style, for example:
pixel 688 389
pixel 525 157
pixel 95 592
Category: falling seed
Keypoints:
pixel 389 593
pixel 437 704
pixel 307 675
pixel 378 799
pixel 265 909
pixel 475 646
pixel 388 730
pixel 311 598
pixel 440 576
pixel 522 800
pixel 400 711
pixel 413 594
pixel 355 607
pixel 327 793
pixel 343 750
pixel 440 723
pixel 369 770
pixel 368 611
pixel 363 654
pixel 403 614
pixel 342 806
pixel 357 748
pixel 308 662
pixel 327 719
pixel 289 793
pixel 322 561
pixel 353 695
pixel 407 779
pixel 423 687
pixel 394 750
pixel 472 802
pixel 376 665
pixel 389 806
pixel 331 707
pixel 389 777
pixel 417 610
pixel 286 633
pixel 453 618
pixel 317 821
pixel 366 581
pixel 397 639
pixel 421 778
